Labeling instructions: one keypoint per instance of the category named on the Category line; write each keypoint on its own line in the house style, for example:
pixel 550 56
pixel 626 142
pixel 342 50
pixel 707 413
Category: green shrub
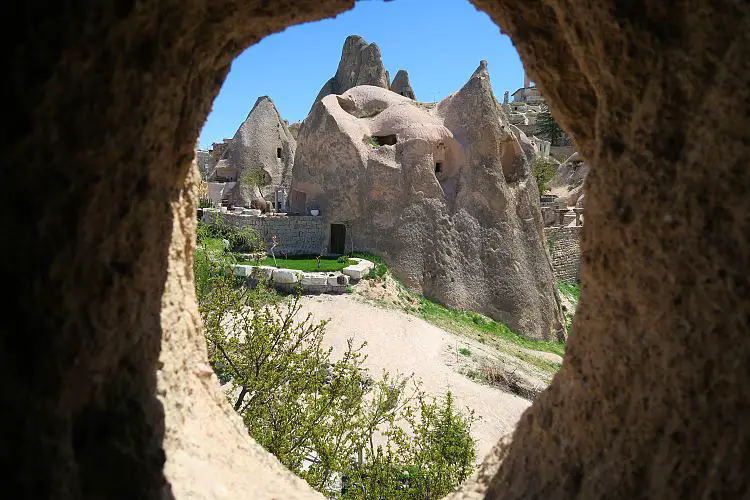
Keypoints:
pixel 464 351
pixel 244 240
pixel 316 413
pixel 543 170
pixel 377 272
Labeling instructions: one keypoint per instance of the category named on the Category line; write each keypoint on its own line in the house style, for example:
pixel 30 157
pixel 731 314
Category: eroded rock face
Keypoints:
pixel 447 199
pixel 360 64
pixel 262 143
pixel 401 84
pixel 568 181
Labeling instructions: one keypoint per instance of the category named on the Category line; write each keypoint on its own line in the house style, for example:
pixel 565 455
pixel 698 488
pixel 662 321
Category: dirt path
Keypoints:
pixel 399 342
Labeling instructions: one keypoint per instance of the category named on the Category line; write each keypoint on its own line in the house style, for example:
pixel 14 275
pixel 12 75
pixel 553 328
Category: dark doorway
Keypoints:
pixel 338 238
pixel 278 152
pixel 438 167
pixel 385 140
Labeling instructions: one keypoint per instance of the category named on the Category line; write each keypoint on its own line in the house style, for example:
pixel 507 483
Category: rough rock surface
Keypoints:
pixel 107 100
pixel 264 143
pixel 451 205
pixel 568 181
pixel 294 129
pixel 401 85
pixel 204 162
pixel 360 64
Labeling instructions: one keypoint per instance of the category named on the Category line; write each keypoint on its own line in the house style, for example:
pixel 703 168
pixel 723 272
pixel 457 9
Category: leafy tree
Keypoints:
pixel 543 170
pixel 548 127
pixel 326 419
pixel 252 178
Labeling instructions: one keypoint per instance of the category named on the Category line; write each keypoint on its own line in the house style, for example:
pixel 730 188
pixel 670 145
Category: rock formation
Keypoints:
pixel 443 191
pixel 264 144
pixel 294 129
pixel 401 84
pixel 205 162
pixel 568 181
pixel 360 64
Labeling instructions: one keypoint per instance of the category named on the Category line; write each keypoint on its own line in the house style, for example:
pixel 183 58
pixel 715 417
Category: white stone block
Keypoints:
pixel 243 270
pixel 355 272
pixel 263 272
pixel 314 279
pixel 288 276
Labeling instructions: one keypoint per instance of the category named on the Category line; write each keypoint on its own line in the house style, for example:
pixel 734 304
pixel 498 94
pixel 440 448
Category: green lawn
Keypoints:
pixel 572 291
pixel 304 263
pixel 213 245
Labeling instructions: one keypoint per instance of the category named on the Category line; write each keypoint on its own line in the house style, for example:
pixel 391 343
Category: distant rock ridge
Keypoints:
pixel 401 85
pixel 362 64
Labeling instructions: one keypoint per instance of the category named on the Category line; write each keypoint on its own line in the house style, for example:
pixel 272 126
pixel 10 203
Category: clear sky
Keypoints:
pixel 439 42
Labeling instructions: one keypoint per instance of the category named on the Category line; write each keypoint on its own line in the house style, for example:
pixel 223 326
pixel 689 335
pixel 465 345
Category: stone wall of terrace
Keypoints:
pixel 565 250
pixel 296 235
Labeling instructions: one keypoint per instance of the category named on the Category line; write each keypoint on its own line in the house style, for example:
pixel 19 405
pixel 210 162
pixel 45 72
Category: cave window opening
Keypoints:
pixel 438 167
pixel 385 140
pixel 278 153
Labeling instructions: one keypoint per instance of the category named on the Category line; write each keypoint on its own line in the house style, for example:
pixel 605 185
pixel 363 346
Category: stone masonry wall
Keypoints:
pixel 564 245
pixel 295 235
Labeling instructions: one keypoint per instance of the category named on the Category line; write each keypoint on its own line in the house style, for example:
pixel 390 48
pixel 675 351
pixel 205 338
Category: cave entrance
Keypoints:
pixel 338 238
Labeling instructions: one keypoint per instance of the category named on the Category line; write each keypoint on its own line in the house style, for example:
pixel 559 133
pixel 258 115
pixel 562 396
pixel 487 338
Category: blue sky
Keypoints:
pixel 439 42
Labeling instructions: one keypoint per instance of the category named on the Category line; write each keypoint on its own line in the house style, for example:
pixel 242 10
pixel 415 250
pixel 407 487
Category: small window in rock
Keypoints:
pixel 385 140
pixel 438 167
pixel 278 152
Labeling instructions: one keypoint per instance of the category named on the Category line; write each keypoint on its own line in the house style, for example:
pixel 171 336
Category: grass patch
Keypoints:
pixel 376 272
pixel 454 319
pixel 572 291
pixel 305 263
pixel 464 351
pixel 212 245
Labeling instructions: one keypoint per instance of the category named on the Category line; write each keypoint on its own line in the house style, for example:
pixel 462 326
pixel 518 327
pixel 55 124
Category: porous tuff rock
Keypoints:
pixel 360 64
pixel 652 400
pixel 468 235
pixel 401 84
pixel 107 101
pixel 255 146
pixel 568 181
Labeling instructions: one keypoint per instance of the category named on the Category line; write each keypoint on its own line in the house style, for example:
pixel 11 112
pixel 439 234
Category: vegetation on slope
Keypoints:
pixel 347 434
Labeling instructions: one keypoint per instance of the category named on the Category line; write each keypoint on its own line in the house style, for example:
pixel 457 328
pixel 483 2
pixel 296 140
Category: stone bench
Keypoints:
pixel 289 280
pixel 359 270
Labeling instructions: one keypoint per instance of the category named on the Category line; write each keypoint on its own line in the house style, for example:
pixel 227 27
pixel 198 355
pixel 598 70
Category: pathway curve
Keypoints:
pixel 399 342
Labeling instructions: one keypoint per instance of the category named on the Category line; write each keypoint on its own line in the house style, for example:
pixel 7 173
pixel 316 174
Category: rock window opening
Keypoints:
pixel 438 167
pixel 278 153
pixel 385 140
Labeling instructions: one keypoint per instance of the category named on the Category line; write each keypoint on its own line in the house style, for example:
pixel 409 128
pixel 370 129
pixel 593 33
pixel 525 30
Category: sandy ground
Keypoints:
pixel 399 342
